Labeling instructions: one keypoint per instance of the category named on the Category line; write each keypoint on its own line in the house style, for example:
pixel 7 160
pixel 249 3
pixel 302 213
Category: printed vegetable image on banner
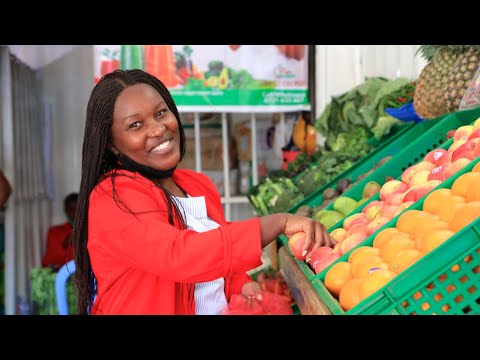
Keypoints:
pixel 218 78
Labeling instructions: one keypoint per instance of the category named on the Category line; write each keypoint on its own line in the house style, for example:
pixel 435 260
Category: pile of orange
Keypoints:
pixel 417 232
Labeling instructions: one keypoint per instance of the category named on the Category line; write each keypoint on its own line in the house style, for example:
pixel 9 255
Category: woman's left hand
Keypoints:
pixel 252 289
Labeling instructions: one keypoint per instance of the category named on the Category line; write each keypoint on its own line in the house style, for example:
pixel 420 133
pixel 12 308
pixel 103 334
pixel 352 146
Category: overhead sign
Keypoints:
pixel 219 78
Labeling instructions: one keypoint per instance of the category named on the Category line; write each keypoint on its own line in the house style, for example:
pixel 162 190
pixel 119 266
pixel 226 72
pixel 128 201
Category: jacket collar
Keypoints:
pixel 195 187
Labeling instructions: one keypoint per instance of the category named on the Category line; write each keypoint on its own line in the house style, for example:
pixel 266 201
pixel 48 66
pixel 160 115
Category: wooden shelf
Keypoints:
pixel 306 298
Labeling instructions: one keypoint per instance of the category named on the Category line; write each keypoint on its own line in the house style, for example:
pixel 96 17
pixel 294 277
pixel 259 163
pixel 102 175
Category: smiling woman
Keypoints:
pixel 150 238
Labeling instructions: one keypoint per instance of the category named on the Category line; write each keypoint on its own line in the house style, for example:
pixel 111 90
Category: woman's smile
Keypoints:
pixel 164 147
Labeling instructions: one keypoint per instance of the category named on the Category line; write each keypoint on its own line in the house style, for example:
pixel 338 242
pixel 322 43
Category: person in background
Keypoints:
pixel 150 238
pixel 59 250
pixel 5 192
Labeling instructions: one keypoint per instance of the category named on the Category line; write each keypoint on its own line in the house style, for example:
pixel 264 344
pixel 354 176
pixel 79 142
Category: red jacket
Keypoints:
pixel 144 265
pixel 57 254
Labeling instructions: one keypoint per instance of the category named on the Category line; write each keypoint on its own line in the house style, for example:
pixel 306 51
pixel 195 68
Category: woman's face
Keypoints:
pixel 145 129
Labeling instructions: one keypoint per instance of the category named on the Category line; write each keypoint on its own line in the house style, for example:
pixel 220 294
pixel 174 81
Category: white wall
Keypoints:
pixel 68 81
pixel 66 84
pixel 339 68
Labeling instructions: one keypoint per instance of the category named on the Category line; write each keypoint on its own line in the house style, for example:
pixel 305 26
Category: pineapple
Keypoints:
pixel 421 93
pixel 443 82
pixel 460 77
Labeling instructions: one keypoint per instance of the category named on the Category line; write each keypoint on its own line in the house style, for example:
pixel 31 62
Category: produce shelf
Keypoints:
pixel 410 155
pixel 445 281
pixel 389 148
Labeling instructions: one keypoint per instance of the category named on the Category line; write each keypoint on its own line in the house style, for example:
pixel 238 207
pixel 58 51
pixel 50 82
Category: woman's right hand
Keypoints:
pixel 315 233
pixel 288 224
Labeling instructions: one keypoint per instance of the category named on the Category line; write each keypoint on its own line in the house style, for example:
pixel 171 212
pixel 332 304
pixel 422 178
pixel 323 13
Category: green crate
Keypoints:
pixel 410 155
pixel 430 286
pixel 383 147
pixel 396 132
pixel 389 148
pixel 434 132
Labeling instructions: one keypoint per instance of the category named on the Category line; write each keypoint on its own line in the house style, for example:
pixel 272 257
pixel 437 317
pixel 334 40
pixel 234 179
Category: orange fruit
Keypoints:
pixel 435 200
pixel 403 259
pixel 386 234
pixel 426 227
pixel 374 281
pixel 463 182
pixel 393 246
pixel 444 206
pixel 409 220
pixel 349 295
pixel 362 267
pixel 434 239
pixel 465 214
pixel 362 251
pixel 476 168
pixel 473 191
pixel 338 275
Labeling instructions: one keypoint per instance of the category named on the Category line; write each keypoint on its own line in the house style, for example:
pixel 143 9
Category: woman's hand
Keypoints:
pixel 252 289
pixel 315 233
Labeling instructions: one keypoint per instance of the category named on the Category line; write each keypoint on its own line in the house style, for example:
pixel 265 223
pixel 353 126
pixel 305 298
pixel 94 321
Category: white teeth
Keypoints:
pixel 161 146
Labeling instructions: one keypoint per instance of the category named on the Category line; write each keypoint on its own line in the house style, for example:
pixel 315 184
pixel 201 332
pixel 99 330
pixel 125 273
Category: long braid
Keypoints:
pixel 97 160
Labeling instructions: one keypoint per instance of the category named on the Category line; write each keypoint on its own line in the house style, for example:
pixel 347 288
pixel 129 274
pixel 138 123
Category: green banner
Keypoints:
pixel 219 78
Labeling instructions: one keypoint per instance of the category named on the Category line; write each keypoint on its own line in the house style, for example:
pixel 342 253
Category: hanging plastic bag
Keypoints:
pixel 471 99
pixel 405 113
pixel 271 304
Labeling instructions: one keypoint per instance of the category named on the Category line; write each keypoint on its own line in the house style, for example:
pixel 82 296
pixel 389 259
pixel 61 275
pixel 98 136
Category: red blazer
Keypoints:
pixel 144 265
pixel 57 254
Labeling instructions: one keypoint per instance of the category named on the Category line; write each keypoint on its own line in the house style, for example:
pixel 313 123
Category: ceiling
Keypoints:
pixel 37 56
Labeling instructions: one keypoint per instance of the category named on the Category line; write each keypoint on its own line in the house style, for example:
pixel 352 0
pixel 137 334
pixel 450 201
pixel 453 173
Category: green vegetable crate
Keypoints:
pixel 389 148
pixel 396 132
pixel 411 154
pixel 446 281
pixel 415 151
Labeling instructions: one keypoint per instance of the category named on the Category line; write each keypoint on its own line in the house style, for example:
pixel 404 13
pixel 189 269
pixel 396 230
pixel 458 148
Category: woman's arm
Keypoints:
pixel 316 235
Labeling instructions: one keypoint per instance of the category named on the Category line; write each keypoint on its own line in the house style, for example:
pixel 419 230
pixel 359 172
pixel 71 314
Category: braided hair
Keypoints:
pixel 97 160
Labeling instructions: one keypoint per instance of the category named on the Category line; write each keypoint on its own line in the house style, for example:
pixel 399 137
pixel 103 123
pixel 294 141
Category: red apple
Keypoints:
pixel 391 187
pixel 402 207
pixel 455 167
pixel 329 259
pixel 475 134
pixel 418 191
pixel 339 234
pixel 360 228
pixel 408 173
pixel 476 151
pixel 450 134
pixel 438 173
pixel 456 144
pixel 376 224
pixel 435 155
pixel 319 255
pixel 352 241
pixel 420 177
pixel 463 131
pixel 295 244
pixel 373 208
pixel 349 221
pixel 395 199
pixel 464 151
pixel 388 211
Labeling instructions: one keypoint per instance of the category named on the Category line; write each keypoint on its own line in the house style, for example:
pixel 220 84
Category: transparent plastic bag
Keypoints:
pixel 471 99
pixel 271 304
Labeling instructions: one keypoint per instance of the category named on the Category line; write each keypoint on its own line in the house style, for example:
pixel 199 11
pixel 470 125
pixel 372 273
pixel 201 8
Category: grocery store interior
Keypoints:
pixel 380 144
